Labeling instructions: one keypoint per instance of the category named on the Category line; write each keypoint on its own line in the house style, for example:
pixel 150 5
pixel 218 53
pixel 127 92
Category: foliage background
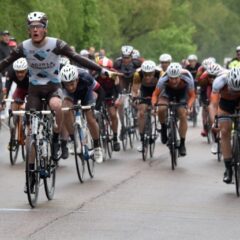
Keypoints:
pixel 179 27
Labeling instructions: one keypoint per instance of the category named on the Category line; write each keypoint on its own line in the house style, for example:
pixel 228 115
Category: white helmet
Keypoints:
pixel 148 66
pixel 64 61
pixel 127 50
pixel 234 79
pixel 208 61
pixel 20 64
pixel 84 52
pixel 174 70
pixel 192 57
pixel 238 48
pixel 37 17
pixel 135 54
pixel 214 69
pixel 68 73
pixel 165 57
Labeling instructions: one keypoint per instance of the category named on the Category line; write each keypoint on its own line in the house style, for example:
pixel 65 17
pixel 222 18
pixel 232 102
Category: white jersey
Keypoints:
pixel 44 64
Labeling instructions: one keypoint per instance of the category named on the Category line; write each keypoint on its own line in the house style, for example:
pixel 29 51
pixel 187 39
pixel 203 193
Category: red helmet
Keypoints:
pixel 105 62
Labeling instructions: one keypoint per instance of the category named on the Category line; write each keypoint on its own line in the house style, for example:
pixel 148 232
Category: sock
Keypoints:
pixel 96 143
pixel 182 141
pixel 55 137
pixel 71 137
pixel 115 137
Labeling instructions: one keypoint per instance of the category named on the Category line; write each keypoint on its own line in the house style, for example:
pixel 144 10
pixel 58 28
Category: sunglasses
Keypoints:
pixel 211 76
pixel 37 26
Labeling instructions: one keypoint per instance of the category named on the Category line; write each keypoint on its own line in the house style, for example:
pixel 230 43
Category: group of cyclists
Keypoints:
pixel 46 67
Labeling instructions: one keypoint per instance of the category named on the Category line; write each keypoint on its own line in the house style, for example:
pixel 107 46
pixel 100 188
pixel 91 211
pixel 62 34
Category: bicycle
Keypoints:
pixel 129 122
pixel 83 143
pixel 106 134
pixel 39 149
pixel 195 109
pixel 235 142
pixel 173 135
pixel 17 133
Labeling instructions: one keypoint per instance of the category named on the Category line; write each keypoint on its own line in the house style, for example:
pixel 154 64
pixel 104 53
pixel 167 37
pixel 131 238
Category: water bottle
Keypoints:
pixel 44 148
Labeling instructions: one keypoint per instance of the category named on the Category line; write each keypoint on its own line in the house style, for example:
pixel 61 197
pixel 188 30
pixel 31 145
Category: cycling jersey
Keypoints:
pixel 234 63
pixel 193 70
pixel 139 79
pixel 128 71
pixel 184 90
pixel 85 87
pixel 43 62
pixel 220 90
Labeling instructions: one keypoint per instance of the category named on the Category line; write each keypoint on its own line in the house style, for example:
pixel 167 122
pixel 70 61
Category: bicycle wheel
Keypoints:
pixel 130 124
pixel 13 144
pixel 145 148
pixel 32 175
pixel 153 138
pixel 124 137
pixel 109 136
pixel 172 144
pixel 236 162
pixel 90 160
pixel 78 153
pixel 219 151
pixel 50 178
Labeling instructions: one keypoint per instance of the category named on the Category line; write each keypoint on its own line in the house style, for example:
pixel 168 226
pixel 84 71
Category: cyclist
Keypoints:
pixel 43 56
pixel 136 55
pixel 144 83
pixel 112 91
pixel 193 65
pixel 126 65
pixel 203 89
pixel 177 84
pixel 165 60
pixel 79 85
pixel 20 75
pixel 225 98
pixel 206 80
pixel 235 62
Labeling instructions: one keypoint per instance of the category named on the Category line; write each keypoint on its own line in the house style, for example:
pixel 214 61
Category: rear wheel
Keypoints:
pixel 32 173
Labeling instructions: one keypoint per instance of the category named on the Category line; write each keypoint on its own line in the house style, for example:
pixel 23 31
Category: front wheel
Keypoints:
pixel 78 153
pixel 172 144
pixel 32 173
pixel 50 178
pixel 236 162
pixel 90 159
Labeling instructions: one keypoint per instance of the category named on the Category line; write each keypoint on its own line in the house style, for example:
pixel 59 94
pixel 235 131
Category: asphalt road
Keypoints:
pixel 127 199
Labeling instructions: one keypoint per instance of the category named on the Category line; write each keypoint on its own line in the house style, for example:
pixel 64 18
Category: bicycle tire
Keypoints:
pixel 172 144
pixel 90 160
pixel 78 153
pixel 125 133
pixel 145 148
pixel 153 138
pixel 109 140
pixel 50 179
pixel 32 189
pixel 236 162
pixel 219 151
